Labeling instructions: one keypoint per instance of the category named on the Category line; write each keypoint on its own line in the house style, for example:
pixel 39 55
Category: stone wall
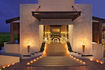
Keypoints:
pixel 29 29
pixel 82 29
pixel 97 51
pixel 56 5
pixel 41 27
pixel 11 48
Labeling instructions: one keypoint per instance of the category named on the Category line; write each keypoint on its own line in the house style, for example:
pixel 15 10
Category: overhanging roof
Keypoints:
pixel 99 19
pixel 56 14
pixel 13 19
pixel 18 19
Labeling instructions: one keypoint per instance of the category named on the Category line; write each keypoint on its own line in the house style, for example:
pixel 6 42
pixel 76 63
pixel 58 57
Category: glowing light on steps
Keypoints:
pixel 8 65
pixel 78 60
pixel 101 62
pixel 91 59
pixel 96 60
pixel 45 48
pixel 28 63
pixel 34 60
pixel 4 66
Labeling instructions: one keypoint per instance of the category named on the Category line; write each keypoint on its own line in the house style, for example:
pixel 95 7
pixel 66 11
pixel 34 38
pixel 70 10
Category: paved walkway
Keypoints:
pixel 56 61
pixel 90 66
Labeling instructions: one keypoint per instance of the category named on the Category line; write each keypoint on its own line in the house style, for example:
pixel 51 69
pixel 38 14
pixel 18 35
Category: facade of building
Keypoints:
pixel 56 19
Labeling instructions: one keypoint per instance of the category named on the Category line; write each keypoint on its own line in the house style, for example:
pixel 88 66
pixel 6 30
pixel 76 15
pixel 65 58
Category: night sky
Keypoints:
pixel 10 9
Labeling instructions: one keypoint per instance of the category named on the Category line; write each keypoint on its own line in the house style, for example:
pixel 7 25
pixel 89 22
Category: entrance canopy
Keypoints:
pixel 56 14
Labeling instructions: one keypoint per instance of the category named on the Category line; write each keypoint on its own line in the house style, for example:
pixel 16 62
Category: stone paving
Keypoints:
pixel 89 66
pixel 56 63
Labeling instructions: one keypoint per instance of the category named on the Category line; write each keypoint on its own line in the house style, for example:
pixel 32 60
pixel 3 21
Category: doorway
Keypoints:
pixel 52 32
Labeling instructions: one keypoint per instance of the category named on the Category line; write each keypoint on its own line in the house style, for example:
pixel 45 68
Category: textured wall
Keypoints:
pixel 97 47
pixel 70 34
pixel 41 28
pixel 56 5
pixel 29 29
pixel 55 21
pixel 11 48
pixel 82 29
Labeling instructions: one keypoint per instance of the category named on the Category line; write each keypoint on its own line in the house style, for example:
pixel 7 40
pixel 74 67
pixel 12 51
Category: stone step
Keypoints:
pixel 56 49
pixel 56 61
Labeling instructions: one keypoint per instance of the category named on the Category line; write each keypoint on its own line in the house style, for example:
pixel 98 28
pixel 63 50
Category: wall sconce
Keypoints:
pixel 84 44
pixel 83 48
pixel 28 48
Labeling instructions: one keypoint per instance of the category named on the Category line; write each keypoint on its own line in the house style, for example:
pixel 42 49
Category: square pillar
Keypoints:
pixel 11 33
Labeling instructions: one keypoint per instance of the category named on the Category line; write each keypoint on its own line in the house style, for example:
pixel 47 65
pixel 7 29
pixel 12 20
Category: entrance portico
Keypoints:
pixel 57 20
pixel 79 25
pixel 53 30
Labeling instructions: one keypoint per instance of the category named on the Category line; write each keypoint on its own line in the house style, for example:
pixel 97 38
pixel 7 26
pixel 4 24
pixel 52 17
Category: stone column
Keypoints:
pixel 11 33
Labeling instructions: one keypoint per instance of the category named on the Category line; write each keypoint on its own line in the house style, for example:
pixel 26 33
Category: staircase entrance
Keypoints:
pixel 55 37
pixel 56 49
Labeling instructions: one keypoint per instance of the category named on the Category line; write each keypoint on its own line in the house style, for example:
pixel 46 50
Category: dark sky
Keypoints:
pixel 10 9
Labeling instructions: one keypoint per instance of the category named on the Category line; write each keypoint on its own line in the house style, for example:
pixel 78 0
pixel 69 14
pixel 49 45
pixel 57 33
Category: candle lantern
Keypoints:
pixel 28 48
pixel 83 48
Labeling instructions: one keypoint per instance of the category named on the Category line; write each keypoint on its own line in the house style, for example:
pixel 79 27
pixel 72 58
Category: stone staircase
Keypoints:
pixel 56 61
pixel 55 49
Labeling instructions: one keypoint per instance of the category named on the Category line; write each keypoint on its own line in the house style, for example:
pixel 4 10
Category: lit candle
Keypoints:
pixel 13 63
pixel 91 59
pixel 84 63
pixel 81 61
pixel 97 60
pixel 31 62
pixel 74 58
pixel 8 65
pixel 4 66
pixel 77 59
pixel 34 59
pixel 101 62
pixel 28 63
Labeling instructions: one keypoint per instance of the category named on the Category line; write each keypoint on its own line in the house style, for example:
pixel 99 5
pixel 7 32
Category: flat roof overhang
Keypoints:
pixel 15 20
pixel 56 14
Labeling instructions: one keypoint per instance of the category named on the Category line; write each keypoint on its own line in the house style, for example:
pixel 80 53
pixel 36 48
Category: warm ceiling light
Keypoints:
pixel 36 13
